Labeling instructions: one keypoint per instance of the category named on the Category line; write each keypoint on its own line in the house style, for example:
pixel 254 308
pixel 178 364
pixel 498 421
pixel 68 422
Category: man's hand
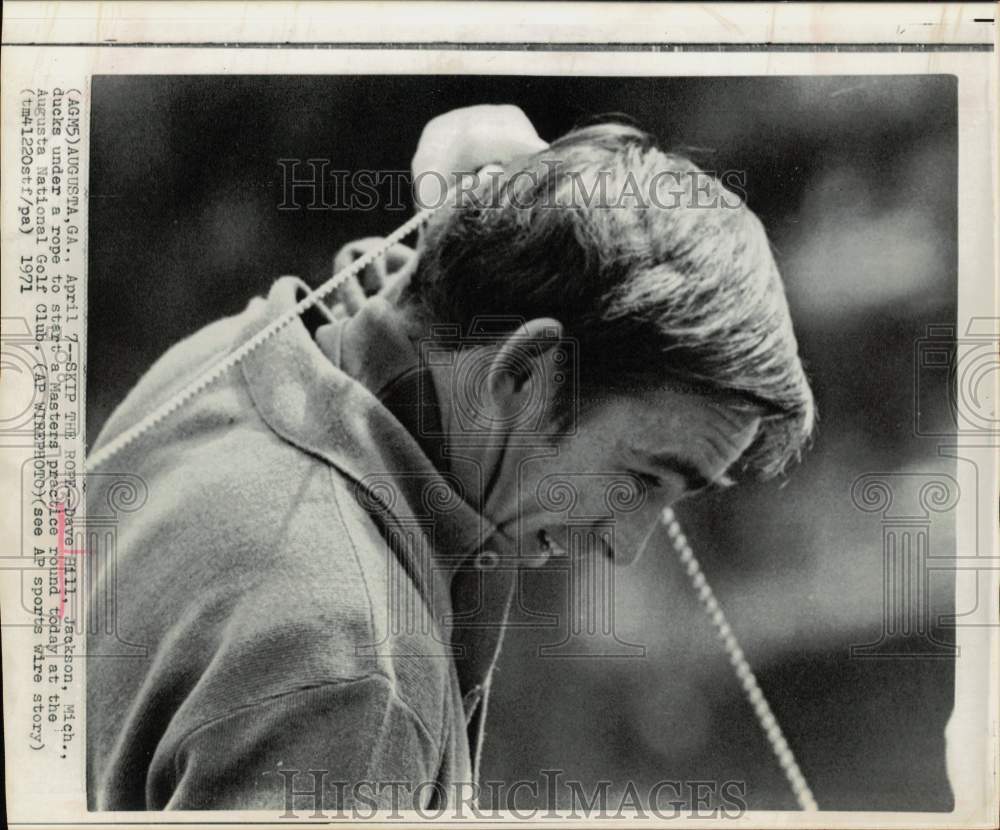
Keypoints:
pixel 386 275
pixel 464 141
pixel 461 141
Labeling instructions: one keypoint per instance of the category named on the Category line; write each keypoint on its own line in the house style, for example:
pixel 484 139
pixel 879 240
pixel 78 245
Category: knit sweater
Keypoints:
pixel 278 594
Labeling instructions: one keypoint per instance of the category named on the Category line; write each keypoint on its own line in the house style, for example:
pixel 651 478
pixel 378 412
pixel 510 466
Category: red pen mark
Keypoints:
pixel 61 552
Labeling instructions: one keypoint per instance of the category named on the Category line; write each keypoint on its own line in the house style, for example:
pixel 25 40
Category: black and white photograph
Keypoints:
pixel 531 435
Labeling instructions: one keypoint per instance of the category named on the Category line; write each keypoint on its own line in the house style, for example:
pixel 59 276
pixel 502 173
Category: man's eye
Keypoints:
pixel 648 479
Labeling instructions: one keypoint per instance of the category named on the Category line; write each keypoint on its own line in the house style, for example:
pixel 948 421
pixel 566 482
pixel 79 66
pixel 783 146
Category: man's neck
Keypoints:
pixel 381 349
pixel 475 459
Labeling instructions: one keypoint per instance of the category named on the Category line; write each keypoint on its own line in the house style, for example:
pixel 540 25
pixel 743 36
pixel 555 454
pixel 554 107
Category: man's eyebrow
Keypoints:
pixel 694 478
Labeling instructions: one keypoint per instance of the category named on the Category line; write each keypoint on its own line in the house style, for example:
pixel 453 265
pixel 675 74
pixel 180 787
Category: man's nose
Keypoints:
pixel 622 540
pixel 638 537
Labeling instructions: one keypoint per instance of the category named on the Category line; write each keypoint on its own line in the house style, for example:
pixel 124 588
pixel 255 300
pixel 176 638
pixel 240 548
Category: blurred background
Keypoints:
pixel 855 180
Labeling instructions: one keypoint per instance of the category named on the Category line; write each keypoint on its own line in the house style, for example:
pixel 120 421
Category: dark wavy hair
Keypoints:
pixel 659 273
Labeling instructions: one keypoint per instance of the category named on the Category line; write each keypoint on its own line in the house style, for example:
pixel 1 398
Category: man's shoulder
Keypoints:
pixel 268 576
pixel 264 549
pixel 177 367
pixel 266 572
pixel 214 474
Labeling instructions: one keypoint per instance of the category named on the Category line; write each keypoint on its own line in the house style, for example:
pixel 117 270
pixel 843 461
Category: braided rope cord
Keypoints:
pixel 762 709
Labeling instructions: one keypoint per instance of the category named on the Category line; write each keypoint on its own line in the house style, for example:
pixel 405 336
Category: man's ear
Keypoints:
pixel 524 368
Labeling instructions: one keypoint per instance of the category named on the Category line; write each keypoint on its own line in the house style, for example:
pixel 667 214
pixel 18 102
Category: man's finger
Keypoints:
pixel 374 277
pixel 351 295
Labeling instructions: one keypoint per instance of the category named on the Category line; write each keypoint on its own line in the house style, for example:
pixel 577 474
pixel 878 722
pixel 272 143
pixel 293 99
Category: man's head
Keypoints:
pixel 656 282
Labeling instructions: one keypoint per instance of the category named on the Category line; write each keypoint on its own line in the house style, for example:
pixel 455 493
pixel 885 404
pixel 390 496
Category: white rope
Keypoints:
pixel 765 717
pixel 233 358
